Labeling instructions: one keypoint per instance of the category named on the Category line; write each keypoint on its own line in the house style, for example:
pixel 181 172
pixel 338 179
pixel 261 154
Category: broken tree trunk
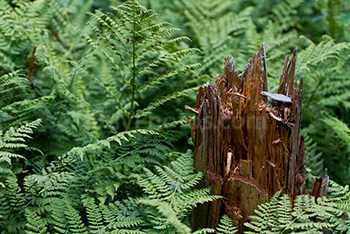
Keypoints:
pixel 247 148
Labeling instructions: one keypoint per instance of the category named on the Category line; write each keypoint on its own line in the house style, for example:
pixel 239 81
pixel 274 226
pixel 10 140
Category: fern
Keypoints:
pixel 169 214
pixel 11 86
pixel 313 158
pixel 13 139
pixel 94 216
pixel 170 192
pixel 74 221
pixel 47 194
pixel 161 101
pixel 341 129
pixel 35 225
pixel 11 194
pixel 338 131
pixel 13 29
pixel 89 84
pixel 40 26
pixel 226 226
pixel 306 216
pixel 340 204
pixel 326 94
pixel 315 54
pixel 213 28
pixel 12 203
pixel 137 49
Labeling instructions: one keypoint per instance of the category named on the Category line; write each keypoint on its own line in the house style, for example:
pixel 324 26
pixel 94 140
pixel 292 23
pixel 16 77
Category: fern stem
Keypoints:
pixel 131 115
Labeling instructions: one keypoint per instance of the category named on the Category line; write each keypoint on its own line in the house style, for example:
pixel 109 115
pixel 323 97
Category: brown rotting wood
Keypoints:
pixel 247 148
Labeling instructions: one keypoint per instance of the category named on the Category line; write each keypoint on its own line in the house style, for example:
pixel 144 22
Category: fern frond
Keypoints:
pixel 339 203
pixel 154 186
pixel 285 14
pixel 306 216
pixel 170 215
pixel 79 152
pixel 64 218
pixel 138 49
pixel 159 79
pixel 36 224
pixel 121 219
pixel 146 111
pixel 94 216
pixel 83 70
pixel 183 121
pixel 12 203
pixel 171 189
pixel 313 158
pixel 11 82
pixel 74 222
pixel 341 129
pixel 315 54
pixel 14 138
pixel 213 30
pixel 226 226
pixel 267 215
pixel 115 218
pixel 204 231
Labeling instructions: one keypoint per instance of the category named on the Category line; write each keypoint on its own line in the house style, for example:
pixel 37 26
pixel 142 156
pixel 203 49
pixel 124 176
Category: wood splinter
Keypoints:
pixel 194 110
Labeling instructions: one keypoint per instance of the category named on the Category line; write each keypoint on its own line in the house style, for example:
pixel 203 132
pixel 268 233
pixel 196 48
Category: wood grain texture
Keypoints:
pixel 246 147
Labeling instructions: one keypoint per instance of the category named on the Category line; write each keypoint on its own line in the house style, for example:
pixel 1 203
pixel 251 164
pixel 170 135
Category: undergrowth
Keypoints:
pixel 93 133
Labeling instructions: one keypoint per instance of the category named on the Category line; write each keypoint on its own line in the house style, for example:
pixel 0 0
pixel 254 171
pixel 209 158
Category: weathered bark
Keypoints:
pixel 247 148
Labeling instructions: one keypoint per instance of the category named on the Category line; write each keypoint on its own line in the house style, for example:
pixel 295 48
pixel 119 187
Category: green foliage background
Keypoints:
pixel 93 134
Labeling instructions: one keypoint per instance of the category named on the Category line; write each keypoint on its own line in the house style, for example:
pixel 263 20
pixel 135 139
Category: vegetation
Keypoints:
pixel 94 137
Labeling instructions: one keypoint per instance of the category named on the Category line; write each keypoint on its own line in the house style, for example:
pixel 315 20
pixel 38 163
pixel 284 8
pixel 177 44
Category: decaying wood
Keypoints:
pixel 321 186
pixel 247 148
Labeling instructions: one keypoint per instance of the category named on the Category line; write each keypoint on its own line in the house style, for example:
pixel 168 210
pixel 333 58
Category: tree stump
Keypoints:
pixel 247 148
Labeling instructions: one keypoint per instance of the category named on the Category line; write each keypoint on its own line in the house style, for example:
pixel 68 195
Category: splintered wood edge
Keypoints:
pixel 194 110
